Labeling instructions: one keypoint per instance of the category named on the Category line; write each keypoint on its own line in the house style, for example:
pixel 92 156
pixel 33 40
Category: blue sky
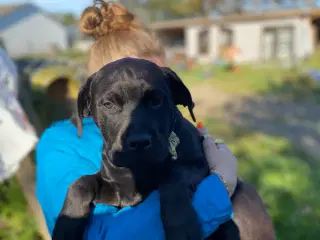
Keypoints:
pixel 75 6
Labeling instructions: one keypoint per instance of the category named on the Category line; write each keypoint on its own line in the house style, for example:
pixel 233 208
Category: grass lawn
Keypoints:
pixel 16 222
pixel 287 180
pixel 247 80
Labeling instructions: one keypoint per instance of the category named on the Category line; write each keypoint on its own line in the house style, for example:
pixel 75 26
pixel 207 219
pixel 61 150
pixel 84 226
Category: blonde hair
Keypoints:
pixel 117 34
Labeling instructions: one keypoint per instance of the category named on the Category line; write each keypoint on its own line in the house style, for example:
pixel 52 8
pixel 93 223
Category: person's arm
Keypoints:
pixel 211 202
pixel 59 164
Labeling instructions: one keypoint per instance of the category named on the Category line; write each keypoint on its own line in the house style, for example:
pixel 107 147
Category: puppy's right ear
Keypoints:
pixel 180 92
pixel 83 104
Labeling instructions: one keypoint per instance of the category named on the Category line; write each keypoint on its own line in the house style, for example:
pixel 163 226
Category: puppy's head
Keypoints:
pixel 133 102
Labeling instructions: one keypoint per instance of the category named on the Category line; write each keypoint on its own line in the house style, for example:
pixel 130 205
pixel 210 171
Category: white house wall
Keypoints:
pixel 34 34
pixel 191 41
pixel 248 38
pixel 306 37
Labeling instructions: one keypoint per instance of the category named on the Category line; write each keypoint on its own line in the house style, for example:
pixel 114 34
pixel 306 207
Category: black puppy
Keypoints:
pixel 133 102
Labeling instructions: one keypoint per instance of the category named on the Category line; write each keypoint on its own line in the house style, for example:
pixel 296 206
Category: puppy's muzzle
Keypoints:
pixel 139 142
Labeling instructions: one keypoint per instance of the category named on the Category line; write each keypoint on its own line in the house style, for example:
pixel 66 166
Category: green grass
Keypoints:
pixel 288 84
pixel 76 56
pixel 313 62
pixel 16 223
pixel 247 80
pixel 285 178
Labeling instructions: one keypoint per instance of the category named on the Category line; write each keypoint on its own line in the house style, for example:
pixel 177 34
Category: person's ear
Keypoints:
pixel 180 92
pixel 83 104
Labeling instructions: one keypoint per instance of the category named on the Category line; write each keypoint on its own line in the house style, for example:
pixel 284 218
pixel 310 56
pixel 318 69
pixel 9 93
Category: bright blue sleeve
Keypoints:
pixel 62 158
pixel 143 222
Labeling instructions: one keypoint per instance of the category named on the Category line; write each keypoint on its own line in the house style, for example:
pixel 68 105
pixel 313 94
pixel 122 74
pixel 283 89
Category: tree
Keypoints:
pixel 184 8
pixel 68 19
pixel 177 8
pixel 209 5
pixel 166 9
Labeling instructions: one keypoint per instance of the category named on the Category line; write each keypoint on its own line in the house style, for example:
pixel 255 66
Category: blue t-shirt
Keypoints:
pixel 62 158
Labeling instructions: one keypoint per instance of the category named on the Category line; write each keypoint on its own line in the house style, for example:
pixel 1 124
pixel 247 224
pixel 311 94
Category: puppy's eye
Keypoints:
pixel 156 102
pixel 109 105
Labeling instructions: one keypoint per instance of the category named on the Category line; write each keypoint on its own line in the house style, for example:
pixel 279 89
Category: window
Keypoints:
pixel 226 37
pixel 269 43
pixel 204 42
pixel 277 43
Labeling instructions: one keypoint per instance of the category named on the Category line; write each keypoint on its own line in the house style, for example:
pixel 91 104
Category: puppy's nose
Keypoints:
pixel 139 142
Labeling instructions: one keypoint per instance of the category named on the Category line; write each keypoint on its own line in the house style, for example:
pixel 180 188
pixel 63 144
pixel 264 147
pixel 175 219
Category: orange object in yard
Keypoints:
pixel 235 68
pixel 200 125
pixel 232 52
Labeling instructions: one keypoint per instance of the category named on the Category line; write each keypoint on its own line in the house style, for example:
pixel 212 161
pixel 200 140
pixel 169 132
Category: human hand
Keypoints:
pixel 220 159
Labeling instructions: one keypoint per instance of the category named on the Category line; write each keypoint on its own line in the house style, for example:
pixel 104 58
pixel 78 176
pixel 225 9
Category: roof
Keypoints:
pixel 181 23
pixel 11 14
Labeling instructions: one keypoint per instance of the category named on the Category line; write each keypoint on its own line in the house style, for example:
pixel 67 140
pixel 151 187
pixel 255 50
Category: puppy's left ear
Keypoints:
pixel 180 92
pixel 83 104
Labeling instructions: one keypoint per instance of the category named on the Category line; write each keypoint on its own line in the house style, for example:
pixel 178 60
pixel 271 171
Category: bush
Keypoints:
pixel 297 87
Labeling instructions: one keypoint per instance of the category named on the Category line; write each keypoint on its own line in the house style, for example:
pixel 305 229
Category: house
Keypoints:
pixel 283 34
pixel 77 40
pixel 26 29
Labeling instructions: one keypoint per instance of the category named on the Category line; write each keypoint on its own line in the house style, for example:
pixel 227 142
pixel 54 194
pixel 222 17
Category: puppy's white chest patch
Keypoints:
pixel 173 143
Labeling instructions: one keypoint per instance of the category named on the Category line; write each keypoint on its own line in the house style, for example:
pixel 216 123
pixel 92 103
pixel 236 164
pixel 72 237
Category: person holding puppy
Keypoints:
pixel 62 157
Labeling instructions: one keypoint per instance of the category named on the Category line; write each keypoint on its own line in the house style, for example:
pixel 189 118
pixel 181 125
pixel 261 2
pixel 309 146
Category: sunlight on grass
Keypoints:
pixel 15 221
pixel 247 80
pixel 284 178
pixel 313 62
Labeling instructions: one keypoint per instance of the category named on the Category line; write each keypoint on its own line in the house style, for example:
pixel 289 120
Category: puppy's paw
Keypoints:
pixel 72 220
pixel 183 226
pixel 67 228
pixel 80 195
pixel 188 230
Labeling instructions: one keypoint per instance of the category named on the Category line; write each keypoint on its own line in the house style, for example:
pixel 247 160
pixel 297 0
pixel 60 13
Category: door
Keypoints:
pixel 268 44
pixel 285 48
pixel 277 43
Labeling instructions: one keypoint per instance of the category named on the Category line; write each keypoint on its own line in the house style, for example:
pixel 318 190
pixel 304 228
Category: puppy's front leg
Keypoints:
pixel 72 221
pixel 179 218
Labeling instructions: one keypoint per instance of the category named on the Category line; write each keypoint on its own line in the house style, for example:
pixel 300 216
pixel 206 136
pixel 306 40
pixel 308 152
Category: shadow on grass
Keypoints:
pixel 287 183
pixel 277 143
pixel 296 87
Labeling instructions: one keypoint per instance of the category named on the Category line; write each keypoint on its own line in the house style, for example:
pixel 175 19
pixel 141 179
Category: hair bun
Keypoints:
pixel 105 17
pixel 90 21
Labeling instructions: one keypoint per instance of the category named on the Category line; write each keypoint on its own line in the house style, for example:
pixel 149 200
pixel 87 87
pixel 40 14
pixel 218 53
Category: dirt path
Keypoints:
pixel 299 122
pixel 208 99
